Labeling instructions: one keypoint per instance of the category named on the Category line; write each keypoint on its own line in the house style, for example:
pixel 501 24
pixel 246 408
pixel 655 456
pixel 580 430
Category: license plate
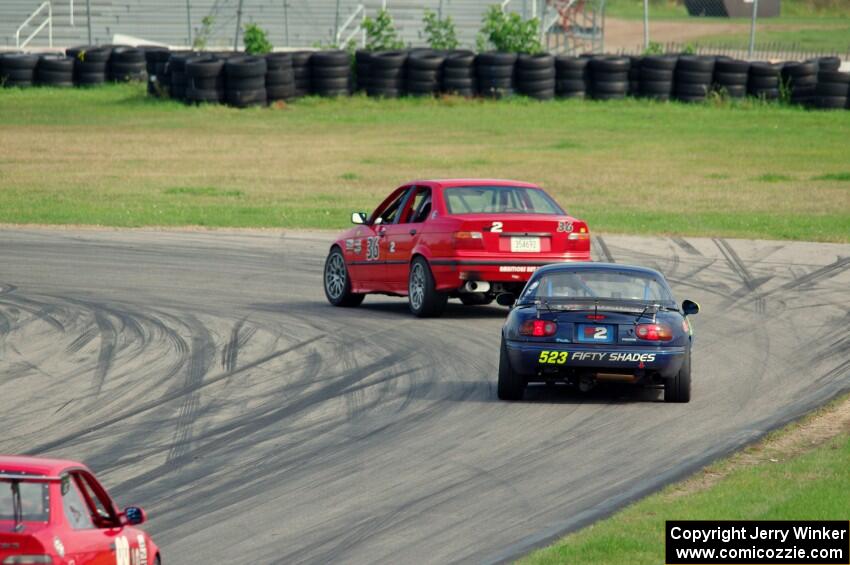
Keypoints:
pixel 590 333
pixel 525 244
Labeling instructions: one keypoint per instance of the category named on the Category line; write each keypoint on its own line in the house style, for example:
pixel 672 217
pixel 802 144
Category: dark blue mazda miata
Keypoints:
pixel 583 323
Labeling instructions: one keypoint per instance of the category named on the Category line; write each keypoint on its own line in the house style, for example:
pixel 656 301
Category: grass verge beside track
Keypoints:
pixel 797 473
pixel 113 156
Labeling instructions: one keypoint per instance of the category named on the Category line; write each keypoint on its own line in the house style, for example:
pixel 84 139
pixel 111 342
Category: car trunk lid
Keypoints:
pixel 527 235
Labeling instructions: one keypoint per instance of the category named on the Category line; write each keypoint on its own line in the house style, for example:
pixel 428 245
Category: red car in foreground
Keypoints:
pixel 55 511
pixel 466 238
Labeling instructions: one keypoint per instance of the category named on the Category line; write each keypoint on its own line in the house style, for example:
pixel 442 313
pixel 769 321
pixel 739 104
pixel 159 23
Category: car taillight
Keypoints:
pixel 22 559
pixel 595 317
pixel 538 328
pixel 581 233
pixel 653 332
pixel 469 239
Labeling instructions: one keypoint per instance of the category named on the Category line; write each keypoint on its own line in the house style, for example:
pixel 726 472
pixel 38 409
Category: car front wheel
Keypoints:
pixel 338 282
pixel 422 295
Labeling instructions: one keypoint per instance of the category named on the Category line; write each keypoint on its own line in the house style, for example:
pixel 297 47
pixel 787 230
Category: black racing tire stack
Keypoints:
pixel 693 78
pixel 280 77
pixel 156 61
pixel 18 70
pixel 55 70
pixel 656 77
pixel 833 90
pixel 301 72
pixel 731 77
pixel 572 76
pixel 91 64
pixel 609 77
pixel 205 80
pixel 828 63
pixel 361 69
pixel 330 73
pixel 635 63
pixel 245 81
pixel 127 64
pixel 801 80
pixel 535 76
pixel 386 74
pixel 763 82
pixel 177 73
pixel 424 72
pixel 459 74
pixel 494 71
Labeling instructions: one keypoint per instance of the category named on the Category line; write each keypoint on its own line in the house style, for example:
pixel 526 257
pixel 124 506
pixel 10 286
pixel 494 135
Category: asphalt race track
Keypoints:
pixel 204 376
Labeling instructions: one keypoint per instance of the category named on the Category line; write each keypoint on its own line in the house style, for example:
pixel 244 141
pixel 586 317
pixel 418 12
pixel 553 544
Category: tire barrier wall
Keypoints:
pixel 535 76
pixel 241 80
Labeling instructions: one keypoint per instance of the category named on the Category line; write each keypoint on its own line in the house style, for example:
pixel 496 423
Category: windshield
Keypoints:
pixel 35 501
pixel 498 200
pixel 602 284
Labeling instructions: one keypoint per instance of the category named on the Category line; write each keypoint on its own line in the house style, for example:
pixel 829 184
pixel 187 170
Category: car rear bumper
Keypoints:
pixel 451 273
pixel 526 359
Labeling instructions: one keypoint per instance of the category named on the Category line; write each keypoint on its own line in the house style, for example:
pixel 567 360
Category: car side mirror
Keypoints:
pixel 358 218
pixel 133 516
pixel 689 307
pixel 506 299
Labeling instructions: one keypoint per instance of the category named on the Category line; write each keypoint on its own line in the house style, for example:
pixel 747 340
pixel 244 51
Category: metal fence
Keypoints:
pixel 754 29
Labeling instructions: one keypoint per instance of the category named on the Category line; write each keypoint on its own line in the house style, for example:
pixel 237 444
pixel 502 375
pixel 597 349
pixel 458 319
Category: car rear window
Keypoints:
pixel 35 501
pixel 499 200
pixel 603 284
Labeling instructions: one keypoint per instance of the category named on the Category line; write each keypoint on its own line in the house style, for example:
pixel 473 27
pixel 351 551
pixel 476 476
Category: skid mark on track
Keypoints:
pixel 81 340
pixel 108 341
pixel 603 250
pixel 686 247
pixel 230 352
pixel 39 311
pixel 200 358
pixel 737 265
pixel 143 407
pixel 818 275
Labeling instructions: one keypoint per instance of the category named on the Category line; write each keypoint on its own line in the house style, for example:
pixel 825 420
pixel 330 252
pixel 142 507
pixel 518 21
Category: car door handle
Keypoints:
pixel 412 232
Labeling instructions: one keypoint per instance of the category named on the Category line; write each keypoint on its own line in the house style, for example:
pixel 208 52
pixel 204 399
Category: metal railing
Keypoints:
pixel 506 3
pixel 47 22
pixel 359 11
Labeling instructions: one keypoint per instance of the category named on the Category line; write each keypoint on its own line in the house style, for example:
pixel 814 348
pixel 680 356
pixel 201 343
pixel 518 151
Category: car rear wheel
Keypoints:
pixel 511 385
pixel 678 388
pixel 424 299
pixel 475 299
pixel 337 281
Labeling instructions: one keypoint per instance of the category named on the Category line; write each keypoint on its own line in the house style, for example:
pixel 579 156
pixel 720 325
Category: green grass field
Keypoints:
pixel 808 36
pixel 113 156
pixel 790 482
pixel 791 10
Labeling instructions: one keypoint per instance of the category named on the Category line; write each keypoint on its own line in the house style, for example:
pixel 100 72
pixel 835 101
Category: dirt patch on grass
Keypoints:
pixel 628 34
pixel 798 438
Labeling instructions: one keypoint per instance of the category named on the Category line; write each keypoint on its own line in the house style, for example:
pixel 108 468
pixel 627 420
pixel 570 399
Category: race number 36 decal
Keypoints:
pixel 125 556
pixel 373 250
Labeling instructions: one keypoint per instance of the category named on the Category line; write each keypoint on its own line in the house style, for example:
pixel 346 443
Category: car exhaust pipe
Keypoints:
pixel 476 286
pixel 586 383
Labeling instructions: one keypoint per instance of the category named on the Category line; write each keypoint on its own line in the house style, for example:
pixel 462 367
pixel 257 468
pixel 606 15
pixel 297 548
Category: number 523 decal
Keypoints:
pixel 553 357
